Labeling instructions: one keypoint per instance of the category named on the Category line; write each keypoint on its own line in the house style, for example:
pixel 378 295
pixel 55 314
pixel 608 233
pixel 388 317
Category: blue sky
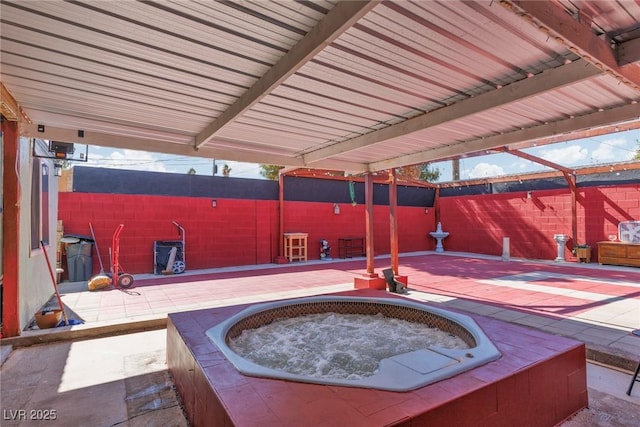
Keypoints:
pixel 604 149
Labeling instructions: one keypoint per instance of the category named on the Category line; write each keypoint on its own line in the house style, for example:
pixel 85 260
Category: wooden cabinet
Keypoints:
pixel 619 253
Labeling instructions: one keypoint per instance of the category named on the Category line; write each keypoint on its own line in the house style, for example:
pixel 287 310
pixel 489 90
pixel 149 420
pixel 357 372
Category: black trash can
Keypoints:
pixel 79 261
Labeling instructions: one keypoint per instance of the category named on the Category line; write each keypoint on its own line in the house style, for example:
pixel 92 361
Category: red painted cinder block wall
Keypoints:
pixel 245 232
pixel 235 232
pixel 478 223
pixel 320 222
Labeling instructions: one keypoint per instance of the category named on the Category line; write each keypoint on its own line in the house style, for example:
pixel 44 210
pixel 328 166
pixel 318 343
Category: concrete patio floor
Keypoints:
pixel 94 379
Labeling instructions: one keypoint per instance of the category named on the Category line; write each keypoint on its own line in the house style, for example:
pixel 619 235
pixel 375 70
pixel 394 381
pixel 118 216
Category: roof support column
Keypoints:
pixel 393 225
pixel 369 280
pixel 11 230
pixel 368 221
pixel 280 258
pixel 571 179
pixel 393 220
pixel 569 176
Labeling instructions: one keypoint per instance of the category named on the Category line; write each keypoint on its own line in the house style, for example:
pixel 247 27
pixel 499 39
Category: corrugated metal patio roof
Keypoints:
pixel 356 86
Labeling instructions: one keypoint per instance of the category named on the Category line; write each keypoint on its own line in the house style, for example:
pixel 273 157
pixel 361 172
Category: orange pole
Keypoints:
pixel 368 220
pixel 571 180
pixel 281 217
pixel 393 220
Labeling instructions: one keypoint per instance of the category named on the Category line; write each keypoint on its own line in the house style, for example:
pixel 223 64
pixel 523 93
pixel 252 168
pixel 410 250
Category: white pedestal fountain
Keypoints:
pixel 561 240
pixel 439 235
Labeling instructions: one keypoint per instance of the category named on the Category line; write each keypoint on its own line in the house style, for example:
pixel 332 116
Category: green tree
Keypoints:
pixel 191 171
pixel 270 171
pixel 421 172
pixel 428 174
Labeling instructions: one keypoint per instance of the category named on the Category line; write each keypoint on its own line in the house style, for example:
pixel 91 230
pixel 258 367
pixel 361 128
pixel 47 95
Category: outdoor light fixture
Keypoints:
pixel 529 194
pixel 336 209
pixel 426 211
pixel 214 203
pixel 57 169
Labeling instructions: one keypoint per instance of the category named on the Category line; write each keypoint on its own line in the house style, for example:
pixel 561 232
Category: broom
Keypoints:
pixel 55 285
pixel 95 242
pixel 101 280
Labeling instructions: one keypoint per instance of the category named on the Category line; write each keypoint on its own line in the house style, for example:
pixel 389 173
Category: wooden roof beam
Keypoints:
pixel 569 175
pixel 576 35
pixel 537 159
pixel 546 81
pixel 166 147
pixel 554 139
pixel 596 119
pixel 629 52
pixel 586 133
pixel 614 168
pixel 9 107
pixel 338 20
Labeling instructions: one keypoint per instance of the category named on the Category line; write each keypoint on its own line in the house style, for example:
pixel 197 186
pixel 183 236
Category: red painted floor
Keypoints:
pixel 447 275
pixel 442 278
pixel 596 304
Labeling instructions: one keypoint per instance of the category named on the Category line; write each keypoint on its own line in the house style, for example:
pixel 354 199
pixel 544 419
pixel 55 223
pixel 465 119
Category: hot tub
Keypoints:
pixel 401 372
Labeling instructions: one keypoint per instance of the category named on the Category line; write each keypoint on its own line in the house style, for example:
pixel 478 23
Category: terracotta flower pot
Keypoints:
pixel 49 319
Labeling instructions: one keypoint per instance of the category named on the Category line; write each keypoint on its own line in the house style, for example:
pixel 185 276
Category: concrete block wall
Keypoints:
pixel 320 221
pixel 603 208
pixel 478 223
pixel 235 232
pixel 226 235
pixel 246 232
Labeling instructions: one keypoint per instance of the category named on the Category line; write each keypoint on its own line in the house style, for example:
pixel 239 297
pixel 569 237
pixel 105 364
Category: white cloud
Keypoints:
pixel 523 166
pixel 147 161
pixel 483 170
pixel 612 150
pixel 126 159
pixel 569 155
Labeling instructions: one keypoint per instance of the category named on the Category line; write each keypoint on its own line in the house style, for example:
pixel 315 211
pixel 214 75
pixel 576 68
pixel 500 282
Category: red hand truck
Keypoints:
pixel 118 277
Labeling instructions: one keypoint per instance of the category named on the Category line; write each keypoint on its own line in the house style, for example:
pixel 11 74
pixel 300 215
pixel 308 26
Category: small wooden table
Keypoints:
pixel 295 246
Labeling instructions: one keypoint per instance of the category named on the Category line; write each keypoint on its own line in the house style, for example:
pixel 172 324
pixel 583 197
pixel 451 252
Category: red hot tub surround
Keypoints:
pixel 539 380
pixel 401 372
